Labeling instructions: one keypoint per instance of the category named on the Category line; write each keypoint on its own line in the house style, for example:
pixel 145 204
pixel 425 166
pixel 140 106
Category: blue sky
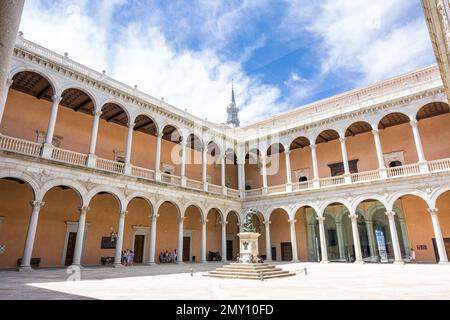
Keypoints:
pixel 281 54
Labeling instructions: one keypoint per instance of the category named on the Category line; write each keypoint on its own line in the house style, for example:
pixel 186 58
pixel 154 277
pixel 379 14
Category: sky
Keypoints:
pixel 280 54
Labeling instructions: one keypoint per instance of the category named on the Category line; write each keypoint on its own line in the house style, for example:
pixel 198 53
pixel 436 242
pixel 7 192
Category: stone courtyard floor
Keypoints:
pixel 169 282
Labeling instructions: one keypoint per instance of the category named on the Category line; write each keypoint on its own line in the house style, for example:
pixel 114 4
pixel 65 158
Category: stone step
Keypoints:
pixel 229 276
pixel 248 270
pixel 243 273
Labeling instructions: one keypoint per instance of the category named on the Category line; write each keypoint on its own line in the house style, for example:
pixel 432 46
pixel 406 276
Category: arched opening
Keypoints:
pixel 28 107
pixel 347 250
pixel 170 153
pixel 214 236
pixel 144 142
pixel 194 157
pixel 308 241
pixel 102 220
pixel 334 232
pixel 434 127
pixel 397 140
pixel 280 236
pixel 214 164
pixel 361 149
pixel 253 170
pixel 136 236
pixel 443 206
pixel 192 234
pixel 276 165
pixel 57 228
pixel 232 231
pixel 301 161
pixel 112 133
pixel 166 230
pixel 15 210
pixel 231 172
pixel 329 154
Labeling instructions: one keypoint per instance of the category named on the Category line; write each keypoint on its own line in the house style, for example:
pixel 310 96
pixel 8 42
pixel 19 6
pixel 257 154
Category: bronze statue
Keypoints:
pixel 248 223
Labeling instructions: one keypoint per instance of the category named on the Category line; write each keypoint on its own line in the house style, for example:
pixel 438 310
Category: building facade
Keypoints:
pixel 90 167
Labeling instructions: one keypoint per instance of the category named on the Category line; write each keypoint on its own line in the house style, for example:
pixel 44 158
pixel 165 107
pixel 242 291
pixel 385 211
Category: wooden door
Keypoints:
pixel 274 253
pixel 139 241
pixel 186 248
pixel 230 255
pixel 286 251
pixel 70 248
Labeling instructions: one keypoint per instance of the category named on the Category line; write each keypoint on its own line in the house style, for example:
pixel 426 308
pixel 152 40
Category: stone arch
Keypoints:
pixel 358 200
pixel 112 191
pixel 236 213
pixel 171 201
pixel 220 211
pixel 77 187
pixel 324 205
pixel 297 207
pixel 86 91
pixel 141 195
pixel 118 104
pixel 193 204
pixel 436 195
pixel 29 68
pixel 25 178
pixel 397 195
pixel 403 118
pixel 150 117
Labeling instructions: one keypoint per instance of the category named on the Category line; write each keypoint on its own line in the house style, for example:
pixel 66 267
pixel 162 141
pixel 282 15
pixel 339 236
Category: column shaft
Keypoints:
pixel 203 253
pixel 153 238
pixel 356 240
pixel 372 242
pixel 129 143
pixel 180 240
pixel 3 98
pixel 344 156
pixel 224 241
pixel 31 234
pixel 394 236
pixel 293 240
pixel 417 141
pixel 268 243
pixel 315 166
pixel 443 259
pixel 119 243
pixel 340 236
pixel 379 149
pixel 158 156
pixel 79 242
pixel 323 240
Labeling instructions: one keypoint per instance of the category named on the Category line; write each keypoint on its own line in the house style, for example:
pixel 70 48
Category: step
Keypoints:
pixel 250 273
pixel 225 276
pixel 247 270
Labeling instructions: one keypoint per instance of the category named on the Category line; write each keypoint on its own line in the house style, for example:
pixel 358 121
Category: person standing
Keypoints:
pixel 412 256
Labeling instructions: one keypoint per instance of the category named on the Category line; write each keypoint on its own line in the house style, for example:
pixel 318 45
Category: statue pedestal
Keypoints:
pixel 248 247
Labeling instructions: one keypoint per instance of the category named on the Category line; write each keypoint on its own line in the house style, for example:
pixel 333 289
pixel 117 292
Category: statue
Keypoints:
pixel 248 223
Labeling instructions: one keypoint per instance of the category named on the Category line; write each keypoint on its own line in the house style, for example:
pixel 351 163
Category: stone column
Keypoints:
pixel 356 241
pixel 347 177
pixel 241 177
pixel 394 237
pixel 372 242
pixel 203 253
pixel 288 171
pixel 313 254
pixel 264 173
pixel 153 238
pixel 340 236
pixel 268 243
pixel 380 158
pixel 129 147
pixel 31 234
pixel 10 13
pixel 443 259
pixel 293 240
pixel 183 162
pixel 323 240
pixel 119 240
pixel 4 97
pixel 204 161
pixel 224 240
pixel 47 150
pixel 158 157
pixel 423 166
pixel 180 240
pixel 79 242
pixel 93 143
pixel 223 176
pixel 405 239
pixel 316 182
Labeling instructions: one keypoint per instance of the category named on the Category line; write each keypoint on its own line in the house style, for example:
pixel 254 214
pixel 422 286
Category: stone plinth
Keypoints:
pixel 248 247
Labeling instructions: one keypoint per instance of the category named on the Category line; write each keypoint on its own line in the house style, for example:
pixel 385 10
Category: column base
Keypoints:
pixel 79 266
pixel 316 183
pixel 242 194
pixel 118 265
pixel 205 186
pixel 423 167
pixel 150 263
pixel 91 160
pixel 183 181
pixel 359 262
pixel 444 263
pixel 127 169
pixel 224 191
pixel 347 178
pixel 295 261
pixel 265 190
pixel 289 187
pixel 400 262
pixel 47 151
pixel 383 173
pixel 158 175
pixel 324 261
pixel 25 269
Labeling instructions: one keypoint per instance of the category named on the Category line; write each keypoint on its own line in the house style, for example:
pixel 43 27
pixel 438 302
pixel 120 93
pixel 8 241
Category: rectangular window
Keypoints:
pixel 337 169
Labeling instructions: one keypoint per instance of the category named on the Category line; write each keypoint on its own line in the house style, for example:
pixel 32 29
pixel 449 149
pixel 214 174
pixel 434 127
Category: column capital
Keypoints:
pixel 353 217
pixel 267 223
pixel 223 222
pixel 9 83
pixel 154 217
pixel 320 219
pixel 287 152
pixel 375 132
pixel 313 146
pixel 181 219
pixel 390 214
pixel 160 135
pixel 123 213
pixel 84 209
pixel 131 124
pixel 204 221
pixel 97 113
pixel 36 204
pixel 56 98
pixel 292 221
pixel 433 212
pixel 342 139
pixel 413 123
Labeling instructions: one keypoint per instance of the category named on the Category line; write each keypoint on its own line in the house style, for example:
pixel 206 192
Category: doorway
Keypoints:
pixel 186 248
pixel 139 241
pixel 274 253
pixel 230 250
pixel 70 248
pixel 286 251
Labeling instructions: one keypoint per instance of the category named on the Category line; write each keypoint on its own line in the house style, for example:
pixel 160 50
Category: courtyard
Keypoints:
pixel 187 281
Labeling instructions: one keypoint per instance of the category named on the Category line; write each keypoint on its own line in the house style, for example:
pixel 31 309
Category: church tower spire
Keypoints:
pixel 232 110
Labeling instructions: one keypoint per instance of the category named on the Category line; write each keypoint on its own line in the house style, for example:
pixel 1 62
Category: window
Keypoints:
pixel 42 135
pixel 302 179
pixel 119 156
pixel 396 163
pixel 337 169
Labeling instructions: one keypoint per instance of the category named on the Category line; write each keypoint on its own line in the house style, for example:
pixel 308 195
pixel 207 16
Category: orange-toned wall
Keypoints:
pixel 279 230
pixel 434 132
pixel 301 235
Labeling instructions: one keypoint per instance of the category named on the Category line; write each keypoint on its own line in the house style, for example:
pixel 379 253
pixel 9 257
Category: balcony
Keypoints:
pixel 74 158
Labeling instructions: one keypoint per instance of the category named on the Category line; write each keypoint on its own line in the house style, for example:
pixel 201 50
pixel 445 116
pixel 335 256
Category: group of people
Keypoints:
pixel 167 257
pixel 127 257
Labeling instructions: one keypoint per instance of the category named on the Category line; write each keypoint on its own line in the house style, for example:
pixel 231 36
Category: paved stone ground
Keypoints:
pixel 324 281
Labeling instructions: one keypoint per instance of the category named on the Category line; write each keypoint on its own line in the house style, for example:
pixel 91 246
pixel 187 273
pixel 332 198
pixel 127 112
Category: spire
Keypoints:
pixel 232 110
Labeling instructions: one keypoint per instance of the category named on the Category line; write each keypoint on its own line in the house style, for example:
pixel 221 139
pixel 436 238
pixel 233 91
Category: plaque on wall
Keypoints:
pixel 108 243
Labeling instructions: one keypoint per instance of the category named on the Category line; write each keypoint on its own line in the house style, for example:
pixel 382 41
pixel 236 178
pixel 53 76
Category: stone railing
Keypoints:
pixel 194 184
pixel 405 170
pixel 109 165
pixel 276 189
pixel 69 156
pixel 213 188
pixel 233 193
pixel 439 165
pixel 170 179
pixel 20 146
pixel 365 176
pixel 143 173
pixel 332 181
pixel 253 193
pixel 302 185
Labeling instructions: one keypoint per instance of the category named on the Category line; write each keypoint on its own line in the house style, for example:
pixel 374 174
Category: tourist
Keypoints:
pixel 175 256
pixel 130 258
pixel 412 256
pixel 161 257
